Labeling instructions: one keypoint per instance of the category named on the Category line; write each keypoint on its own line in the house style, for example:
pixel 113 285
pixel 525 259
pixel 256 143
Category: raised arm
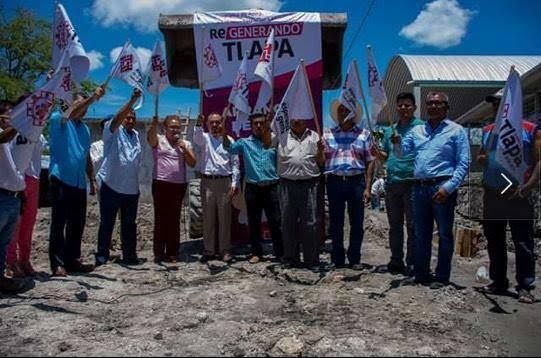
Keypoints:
pixel 123 112
pixel 189 156
pixel 80 108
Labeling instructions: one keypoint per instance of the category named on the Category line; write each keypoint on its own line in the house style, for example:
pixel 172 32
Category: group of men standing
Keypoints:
pixel 426 163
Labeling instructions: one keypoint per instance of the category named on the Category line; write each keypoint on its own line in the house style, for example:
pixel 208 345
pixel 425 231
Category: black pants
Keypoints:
pixel 259 198
pixel 398 203
pixel 110 203
pixel 68 216
pixel 518 213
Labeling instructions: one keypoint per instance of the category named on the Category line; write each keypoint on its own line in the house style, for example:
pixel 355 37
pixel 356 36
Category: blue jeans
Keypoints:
pixel 110 203
pixel 425 210
pixel 10 208
pixel 341 191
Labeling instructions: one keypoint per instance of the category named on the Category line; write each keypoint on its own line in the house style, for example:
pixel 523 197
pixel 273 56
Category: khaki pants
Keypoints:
pixel 216 215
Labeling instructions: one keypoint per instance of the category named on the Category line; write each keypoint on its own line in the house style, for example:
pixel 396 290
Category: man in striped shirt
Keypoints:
pixel 349 172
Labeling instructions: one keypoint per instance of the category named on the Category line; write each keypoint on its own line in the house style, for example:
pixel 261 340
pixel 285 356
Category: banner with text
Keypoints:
pixel 231 34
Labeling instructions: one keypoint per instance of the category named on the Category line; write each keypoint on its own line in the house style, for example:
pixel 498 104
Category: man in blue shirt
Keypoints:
pixel 441 164
pixel 119 177
pixel 500 209
pixel 70 160
pixel 261 177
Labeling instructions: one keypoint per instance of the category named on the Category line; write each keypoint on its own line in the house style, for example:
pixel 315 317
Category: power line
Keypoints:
pixel 367 13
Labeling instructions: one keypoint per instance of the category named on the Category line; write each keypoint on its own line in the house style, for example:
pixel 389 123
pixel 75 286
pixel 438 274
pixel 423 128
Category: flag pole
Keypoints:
pixel 363 99
pixel 156 99
pixel 316 120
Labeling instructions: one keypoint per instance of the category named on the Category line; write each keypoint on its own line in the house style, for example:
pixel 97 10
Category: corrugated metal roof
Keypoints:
pixel 466 68
pixel 467 79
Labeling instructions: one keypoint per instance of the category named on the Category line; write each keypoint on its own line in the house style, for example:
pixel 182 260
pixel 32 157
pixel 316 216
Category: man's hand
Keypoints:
pixel 396 139
pixel 482 159
pixel 93 188
pixel 233 192
pixel 98 93
pixel 200 120
pixel 366 195
pixel 440 197
pixel 135 95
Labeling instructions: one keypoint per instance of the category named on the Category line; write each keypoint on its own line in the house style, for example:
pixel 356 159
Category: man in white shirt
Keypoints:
pixel 219 183
pixel 11 194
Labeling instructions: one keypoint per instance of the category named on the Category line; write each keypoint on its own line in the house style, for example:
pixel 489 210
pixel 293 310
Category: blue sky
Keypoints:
pixel 436 27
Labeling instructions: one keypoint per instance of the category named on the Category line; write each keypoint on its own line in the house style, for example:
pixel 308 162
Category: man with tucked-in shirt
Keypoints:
pixel 399 187
pixel 441 163
pixel 119 189
pixel 349 168
pixel 261 184
pixel 299 158
pixel 219 183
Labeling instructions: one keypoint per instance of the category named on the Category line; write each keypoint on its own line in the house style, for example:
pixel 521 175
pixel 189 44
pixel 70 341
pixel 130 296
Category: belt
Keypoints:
pixel 347 177
pixel 206 176
pixel 16 194
pixel 431 181
pixel 264 183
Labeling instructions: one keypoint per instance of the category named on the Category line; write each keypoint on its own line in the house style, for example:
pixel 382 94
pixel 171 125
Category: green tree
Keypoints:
pixel 25 52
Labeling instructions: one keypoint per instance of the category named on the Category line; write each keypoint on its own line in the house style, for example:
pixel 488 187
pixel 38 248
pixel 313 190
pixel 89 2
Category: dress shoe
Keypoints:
pixel 227 258
pixel 9 285
pixel 133 261
pixel 206 258
pixel 79 267
pixel 254 259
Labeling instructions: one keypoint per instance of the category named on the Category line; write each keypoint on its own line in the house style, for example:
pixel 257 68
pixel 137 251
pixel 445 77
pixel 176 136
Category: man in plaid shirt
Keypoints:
pixel 349 169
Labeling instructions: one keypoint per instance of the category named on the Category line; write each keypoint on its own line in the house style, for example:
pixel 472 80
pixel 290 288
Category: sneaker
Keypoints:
pixel 525 296
pixel 60 271
pixel 255 259
pixel 9 285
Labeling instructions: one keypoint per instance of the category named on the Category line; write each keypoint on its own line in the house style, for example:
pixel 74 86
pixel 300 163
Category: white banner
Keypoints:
pixel 157 79
pixel 30 116
pixel 296 104
pixel 65 37
pixel 128 68
pixel 209 65
pixel 265 71
pixel 351 94
pixel 508 128
pixel 239 92
pixel 375 86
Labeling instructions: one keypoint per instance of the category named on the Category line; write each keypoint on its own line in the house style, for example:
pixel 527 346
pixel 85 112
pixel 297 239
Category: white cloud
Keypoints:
pixel 96 59
pixel 143 14
pixel 442 24
pixel 143 53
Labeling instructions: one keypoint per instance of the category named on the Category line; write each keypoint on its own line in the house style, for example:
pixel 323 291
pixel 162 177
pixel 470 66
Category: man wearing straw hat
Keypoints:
pixel 119 189
pixel 349 169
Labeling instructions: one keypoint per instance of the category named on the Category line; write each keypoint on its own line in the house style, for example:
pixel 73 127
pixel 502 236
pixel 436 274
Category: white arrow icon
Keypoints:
pixel 508 186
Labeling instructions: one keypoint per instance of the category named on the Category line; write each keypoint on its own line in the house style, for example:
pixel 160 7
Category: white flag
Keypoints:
pixel 157 79
pixel 508 128
pixel 30 116
pixel 265 70
pixel 296 103
pixel 351 92
pixel 239 92
pixel 210 66
pixel 375 85
pixel 65 38
pixel 128 68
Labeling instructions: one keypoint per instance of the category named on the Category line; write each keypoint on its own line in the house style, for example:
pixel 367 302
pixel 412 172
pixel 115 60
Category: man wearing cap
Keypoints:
pixel 220 178
pixel 349 169
pixel 69 169
pixel 119 189
pixel 508 208
pixel 299 157
pixel 399 186
pixel 442 158
pixel 261 191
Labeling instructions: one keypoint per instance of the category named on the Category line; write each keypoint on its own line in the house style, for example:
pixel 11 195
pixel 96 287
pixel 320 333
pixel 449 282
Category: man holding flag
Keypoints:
pixel 300 155
pixel 509 149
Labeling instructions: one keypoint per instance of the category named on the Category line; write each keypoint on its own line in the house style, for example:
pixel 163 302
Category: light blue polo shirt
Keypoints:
pixel 121 160
pixel 69 145
pixel 259 162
